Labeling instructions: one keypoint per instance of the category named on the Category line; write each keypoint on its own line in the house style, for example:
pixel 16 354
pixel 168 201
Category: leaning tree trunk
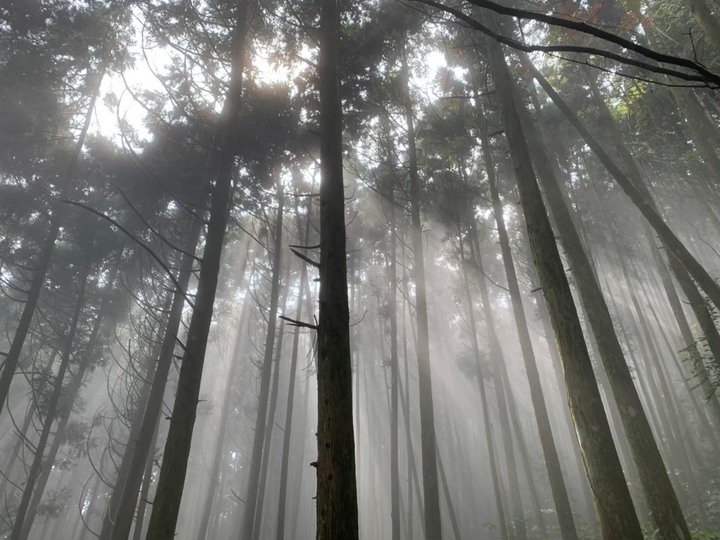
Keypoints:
pixel 120 517
pixel 337 512
pixel 645 206
pixel 615 506
pixel 43 264
pixel 69 400
pixel 166 504
pixel 542 418
pixel 52 407
pixel 657 488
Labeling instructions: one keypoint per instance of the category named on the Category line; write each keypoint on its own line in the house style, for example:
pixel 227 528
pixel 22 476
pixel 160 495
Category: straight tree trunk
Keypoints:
pixel 287 432
pixel 433 524
pixel 394 379
pixel 489 435
pixel 615 506
pixel 232 377
pixel 497 359
pixel 337 512
pixel 250 519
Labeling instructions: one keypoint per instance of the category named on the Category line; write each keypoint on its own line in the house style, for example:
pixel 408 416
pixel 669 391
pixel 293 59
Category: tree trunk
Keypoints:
pixel 615 507
pixel 236 362
pixel 250 519
pixel 287 432
pixel 72 394
pixel 552 462
pixel 337 512
pixel 141 446
pixel 659 493
pixel 52 407
pixel 177 447
pixel 645 206
pixel 433 524
pixel 43 264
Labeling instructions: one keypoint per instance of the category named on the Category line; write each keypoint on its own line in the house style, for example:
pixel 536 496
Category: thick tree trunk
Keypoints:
pixel 337 512
pixel 168 496
pixel 121 515
pixel 664 506
pixel 615 506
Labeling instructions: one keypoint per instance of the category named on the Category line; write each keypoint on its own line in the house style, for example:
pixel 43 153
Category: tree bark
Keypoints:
pixel 645 206
pixel 552 462
pixel 122 521
pixel 615 506
pixel 337 512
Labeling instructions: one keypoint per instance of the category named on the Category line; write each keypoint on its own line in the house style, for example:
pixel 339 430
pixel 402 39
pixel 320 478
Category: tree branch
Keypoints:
pixel 702 74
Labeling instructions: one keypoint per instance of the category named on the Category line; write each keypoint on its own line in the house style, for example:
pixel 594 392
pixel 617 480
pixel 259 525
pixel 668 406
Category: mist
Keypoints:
pixel 360 270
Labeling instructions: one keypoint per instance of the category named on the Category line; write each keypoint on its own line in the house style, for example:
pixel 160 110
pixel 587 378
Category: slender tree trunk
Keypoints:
pixel 52 407
pixel 497 359
pixel 43 264
pixel 72 394
pixel 489 436
pixel 250 519
pixel 21 439
pixel 118 489
pixel 394 379
pixel 145 488
pixel 615 507
pixel 337 512
pixel 552 462
pixel 433 524
pixel 287 433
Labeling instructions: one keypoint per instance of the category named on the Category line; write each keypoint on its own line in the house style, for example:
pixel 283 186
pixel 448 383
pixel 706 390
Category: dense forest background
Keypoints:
pixel 375 269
